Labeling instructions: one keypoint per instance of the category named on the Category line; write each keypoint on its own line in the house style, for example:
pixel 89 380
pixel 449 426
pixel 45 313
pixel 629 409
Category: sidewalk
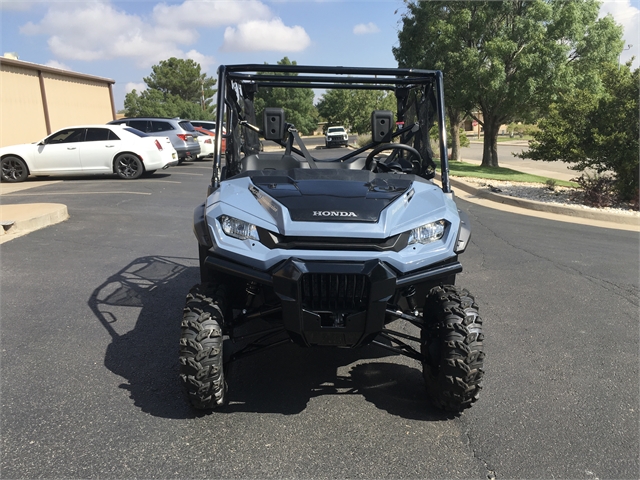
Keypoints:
pixel 19 219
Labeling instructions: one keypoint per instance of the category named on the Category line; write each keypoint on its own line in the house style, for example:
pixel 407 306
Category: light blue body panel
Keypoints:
pixel 423 203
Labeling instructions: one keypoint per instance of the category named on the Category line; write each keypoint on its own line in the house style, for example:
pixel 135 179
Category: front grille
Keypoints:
pixel 333 292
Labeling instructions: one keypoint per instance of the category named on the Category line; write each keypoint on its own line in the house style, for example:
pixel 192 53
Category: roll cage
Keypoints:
pixel 420 104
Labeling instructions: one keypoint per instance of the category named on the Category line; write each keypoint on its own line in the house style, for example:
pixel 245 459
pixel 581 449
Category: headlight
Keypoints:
pixel 238 229
pixel 427 233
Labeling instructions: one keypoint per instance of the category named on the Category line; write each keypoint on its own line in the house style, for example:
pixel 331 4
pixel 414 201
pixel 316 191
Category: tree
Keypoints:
pixel 423 45
pixel 296 102
pixel 510 59
pixel 152 103
pixel 176 88
pixel 352 108
pixel 596 130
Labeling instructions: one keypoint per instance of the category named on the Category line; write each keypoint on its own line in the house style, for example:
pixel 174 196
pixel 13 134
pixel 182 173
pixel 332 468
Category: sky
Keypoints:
pixel 122 40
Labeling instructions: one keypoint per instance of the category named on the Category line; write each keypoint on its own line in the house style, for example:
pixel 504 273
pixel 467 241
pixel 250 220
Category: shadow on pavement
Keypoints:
pixel 281 380
pixel 147 355
pixel 43 179
pixel 284 380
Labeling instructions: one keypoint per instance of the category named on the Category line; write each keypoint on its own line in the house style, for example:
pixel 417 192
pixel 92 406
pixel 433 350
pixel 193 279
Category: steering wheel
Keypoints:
pixel 371 165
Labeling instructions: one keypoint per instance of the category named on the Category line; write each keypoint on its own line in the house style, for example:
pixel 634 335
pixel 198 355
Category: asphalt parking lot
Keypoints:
pixel 90 319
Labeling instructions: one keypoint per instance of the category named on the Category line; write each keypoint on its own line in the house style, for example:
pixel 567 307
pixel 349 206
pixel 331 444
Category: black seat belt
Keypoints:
pixel 305 152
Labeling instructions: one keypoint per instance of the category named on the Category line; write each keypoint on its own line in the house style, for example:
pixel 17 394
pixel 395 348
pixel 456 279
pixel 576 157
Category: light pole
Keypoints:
pixel 620 54
pixel 202 89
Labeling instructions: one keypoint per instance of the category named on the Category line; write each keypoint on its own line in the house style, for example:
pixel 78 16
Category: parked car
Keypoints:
pixel 206 143
pixel 209 125
pixel 181 133
pixel 89 149
pixel 212 135
pixel 204 131
pixel 336 136
pixel 210 128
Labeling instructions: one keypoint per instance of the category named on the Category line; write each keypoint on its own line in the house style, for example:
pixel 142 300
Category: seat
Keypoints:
pixel 353 163
pixel 269 161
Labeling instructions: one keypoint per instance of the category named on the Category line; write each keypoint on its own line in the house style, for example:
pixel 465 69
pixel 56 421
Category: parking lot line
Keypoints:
pixel 15 194
pixel 186 173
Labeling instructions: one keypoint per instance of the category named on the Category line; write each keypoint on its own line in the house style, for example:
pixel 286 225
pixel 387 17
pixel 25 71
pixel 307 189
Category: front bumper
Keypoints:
pixel 336 141
pixel 333 303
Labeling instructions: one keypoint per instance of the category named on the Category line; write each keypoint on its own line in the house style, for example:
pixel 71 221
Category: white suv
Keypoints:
pixel 336 136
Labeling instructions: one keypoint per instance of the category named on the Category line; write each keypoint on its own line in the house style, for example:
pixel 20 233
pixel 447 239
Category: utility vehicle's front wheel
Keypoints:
pixel 201 343
pixel 452 348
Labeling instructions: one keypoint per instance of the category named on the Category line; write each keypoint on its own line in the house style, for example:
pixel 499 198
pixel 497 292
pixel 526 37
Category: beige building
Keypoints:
pixel 36 100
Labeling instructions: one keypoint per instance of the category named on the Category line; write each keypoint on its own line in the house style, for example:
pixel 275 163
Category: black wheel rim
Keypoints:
pixel 12 169
pixel 128 166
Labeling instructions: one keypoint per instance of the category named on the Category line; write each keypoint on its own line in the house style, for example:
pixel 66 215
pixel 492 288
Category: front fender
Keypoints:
pixel 464 233
pixel 200 228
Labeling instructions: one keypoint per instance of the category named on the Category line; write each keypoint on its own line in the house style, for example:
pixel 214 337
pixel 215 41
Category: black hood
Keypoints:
pixel 334 195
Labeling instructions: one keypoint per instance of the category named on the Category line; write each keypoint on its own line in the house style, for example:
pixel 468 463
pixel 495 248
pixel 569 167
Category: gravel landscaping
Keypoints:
pixel 541 193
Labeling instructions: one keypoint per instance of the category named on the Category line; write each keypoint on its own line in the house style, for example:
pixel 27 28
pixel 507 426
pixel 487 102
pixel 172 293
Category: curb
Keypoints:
pixel 514 143
pixel 17 220
pixel 547 207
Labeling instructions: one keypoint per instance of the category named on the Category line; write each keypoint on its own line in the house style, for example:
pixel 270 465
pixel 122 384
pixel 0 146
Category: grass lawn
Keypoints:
pixel 517 138
pixel 501 138
pixel 463 169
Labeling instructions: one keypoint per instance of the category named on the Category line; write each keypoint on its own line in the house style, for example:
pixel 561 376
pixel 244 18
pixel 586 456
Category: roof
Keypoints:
pixel 56 71
pixel 309 76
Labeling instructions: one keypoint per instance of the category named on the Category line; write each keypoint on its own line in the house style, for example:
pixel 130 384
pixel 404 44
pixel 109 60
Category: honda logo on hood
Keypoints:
pixel 333 213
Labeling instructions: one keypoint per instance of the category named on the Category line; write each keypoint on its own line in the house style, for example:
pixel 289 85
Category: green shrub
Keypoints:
pixel 596 131
pixel 597 190
pixel 363 139
pixel 521 129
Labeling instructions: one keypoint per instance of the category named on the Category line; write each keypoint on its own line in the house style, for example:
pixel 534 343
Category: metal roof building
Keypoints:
pixel 36 100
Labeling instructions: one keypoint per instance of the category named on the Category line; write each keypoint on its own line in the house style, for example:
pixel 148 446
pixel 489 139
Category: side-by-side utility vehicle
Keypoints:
pixel 331 247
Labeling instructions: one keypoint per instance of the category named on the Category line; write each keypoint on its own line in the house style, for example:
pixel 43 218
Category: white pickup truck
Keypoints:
pixel 336 136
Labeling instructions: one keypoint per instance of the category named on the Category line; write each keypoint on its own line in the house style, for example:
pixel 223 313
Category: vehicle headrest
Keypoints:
pixel 274 125
pixel 381 125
